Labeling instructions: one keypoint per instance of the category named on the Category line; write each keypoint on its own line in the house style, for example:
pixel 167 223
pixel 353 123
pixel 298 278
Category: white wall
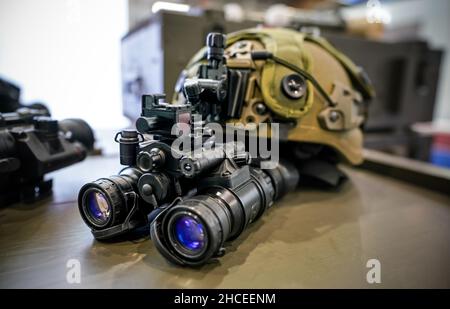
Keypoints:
pixel 66 53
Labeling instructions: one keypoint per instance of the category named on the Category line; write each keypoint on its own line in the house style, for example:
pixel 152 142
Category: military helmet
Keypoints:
pixel 298 80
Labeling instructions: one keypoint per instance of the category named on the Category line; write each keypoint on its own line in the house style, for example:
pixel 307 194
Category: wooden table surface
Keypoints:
pixel 310 239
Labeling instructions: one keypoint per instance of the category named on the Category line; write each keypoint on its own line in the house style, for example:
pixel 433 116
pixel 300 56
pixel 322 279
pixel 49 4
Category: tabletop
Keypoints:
pixel 309 239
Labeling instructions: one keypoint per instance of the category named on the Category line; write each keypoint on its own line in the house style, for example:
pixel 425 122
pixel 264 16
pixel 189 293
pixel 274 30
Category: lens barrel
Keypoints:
pixel 106 202
pixel 79 131
pixel 195 230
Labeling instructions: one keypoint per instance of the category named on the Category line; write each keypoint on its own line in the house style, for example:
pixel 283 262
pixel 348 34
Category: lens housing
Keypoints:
pixel 224 213
pixel 106 202
pixel 199 208
pixel 79 131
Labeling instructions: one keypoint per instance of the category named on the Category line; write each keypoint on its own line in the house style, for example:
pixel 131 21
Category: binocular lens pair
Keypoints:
pixel 193 229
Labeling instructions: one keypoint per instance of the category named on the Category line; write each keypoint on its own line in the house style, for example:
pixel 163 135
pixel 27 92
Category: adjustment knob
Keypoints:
pixel 215 39
pixel 192 91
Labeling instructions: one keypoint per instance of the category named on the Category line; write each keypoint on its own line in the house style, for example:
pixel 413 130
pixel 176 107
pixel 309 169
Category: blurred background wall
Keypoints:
pixel 429 20
pixel 67 53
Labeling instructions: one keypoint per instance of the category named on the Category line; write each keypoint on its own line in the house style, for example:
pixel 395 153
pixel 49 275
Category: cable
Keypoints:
pixel 265 55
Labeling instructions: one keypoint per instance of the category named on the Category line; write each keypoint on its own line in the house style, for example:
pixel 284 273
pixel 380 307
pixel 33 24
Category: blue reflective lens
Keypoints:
pixel 98 206
pixel 190 233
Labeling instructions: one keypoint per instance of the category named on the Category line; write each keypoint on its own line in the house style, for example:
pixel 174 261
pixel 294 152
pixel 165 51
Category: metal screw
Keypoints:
pixel 260 108
pixel 293 86
pixel 242 44
pixel 334 116
pixel 187 167
pixel 147 189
